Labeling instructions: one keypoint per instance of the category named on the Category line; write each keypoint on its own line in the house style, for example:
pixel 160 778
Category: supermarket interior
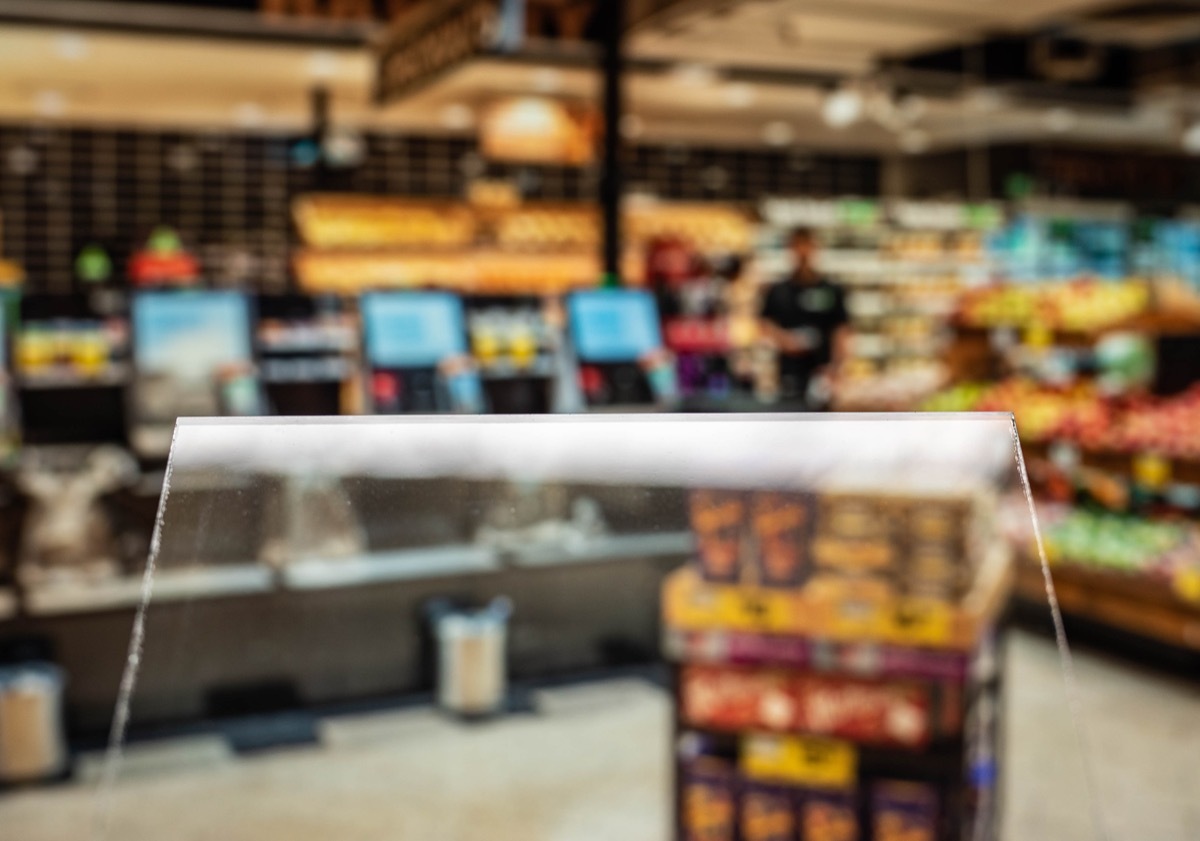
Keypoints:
pixel 578 419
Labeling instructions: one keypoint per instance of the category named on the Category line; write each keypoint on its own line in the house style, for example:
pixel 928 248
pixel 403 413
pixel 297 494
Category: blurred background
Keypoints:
pixel 249 208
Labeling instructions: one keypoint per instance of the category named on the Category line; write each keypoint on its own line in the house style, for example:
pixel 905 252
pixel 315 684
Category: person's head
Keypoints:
pixel 803 245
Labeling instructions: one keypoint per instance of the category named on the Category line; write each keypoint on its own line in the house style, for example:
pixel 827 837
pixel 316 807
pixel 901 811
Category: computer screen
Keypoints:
pixel 412 329
pixel 613 325
pixel 190 334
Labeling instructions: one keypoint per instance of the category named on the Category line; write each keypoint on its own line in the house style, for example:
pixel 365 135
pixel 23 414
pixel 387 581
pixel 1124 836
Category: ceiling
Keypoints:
pixel 712 71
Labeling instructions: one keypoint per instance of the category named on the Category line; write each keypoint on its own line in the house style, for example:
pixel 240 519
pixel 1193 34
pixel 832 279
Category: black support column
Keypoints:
pixel 612 33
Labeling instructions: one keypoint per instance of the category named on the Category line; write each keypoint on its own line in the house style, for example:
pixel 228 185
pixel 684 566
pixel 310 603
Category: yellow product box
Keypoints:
pixel 799 760
pixel 853 555
pixel 844 607
pixel 690 602
pixel 927 622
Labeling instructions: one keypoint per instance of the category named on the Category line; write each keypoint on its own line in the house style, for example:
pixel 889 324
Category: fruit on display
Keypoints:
pixel 1110 541
pixel 707 227
pixel 1081 306
pixel 1169 427
pixel 163 260
pixel 963 397
pixel 1041 412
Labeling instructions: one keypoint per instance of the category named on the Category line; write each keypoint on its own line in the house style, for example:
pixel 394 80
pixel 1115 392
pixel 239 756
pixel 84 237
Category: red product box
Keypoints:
pixel 867 712
pixel 729 698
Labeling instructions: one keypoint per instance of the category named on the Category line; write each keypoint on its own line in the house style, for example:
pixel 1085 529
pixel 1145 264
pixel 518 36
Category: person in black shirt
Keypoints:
pixel 805 315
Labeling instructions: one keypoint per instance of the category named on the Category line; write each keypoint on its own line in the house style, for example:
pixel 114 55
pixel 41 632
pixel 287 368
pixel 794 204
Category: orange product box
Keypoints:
pixel 782 525
pixel 719 521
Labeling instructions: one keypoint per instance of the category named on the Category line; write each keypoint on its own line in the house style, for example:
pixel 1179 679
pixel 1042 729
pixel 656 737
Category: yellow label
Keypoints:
pixel 755 609
pixel 923 622
pixel 802 760
pixel 1187 584
pixel 1151 471
pixel 1038 336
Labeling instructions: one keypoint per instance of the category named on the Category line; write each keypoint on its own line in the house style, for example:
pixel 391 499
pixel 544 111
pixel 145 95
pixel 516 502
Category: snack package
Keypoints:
pixel 828 817
pixel 903 811
pixel 782 524
pixel 731 698
pixel 865 712
pixel 842 606
pixel 719 523
pixel 767 814
pixel 707 804
pixel 855 516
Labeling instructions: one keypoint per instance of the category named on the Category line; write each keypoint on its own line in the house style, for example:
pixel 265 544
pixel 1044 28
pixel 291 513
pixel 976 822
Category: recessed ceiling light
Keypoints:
pixel 842 107
pixel 739 95
pixel 547 80
pixel 1191 139
pixel 457 117
pixel 71 46
pixel 1059 120
pixel 914 141
pixel 777 133
pixel 248 114
pixel 694 74
pixel 322 65
pixel 50 103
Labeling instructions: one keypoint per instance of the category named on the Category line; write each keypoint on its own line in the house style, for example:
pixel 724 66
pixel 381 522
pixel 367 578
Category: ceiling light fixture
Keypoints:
pixel 693 74
pixel 739 95
pixel 49 103
pixel 1191 138
pixel 248 114
pixel 1060 120
pixel 547 80
pixel 777 133
pixel 457 117
pixel 322 65
pixel 843 107
pixel 71 46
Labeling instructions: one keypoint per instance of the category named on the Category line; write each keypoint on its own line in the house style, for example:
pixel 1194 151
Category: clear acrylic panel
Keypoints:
pixel 592 627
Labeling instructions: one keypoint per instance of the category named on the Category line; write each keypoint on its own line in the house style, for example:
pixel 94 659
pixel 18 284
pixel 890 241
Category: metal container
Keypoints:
pixel 472 674
pixel 32 745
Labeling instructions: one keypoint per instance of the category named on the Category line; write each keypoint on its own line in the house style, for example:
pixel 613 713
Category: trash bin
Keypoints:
pixel 472 676
pixel 32 746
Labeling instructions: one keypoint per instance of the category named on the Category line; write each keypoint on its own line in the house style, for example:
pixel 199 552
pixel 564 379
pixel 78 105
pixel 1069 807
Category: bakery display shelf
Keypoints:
pixel 691 603
pixel 849 658
pixel 61 378
pixel 395 565
pixel 612 547
pixel 1128 602
pixel 182 584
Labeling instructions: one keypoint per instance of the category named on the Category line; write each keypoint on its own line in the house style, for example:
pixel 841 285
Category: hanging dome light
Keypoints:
pixel 843 107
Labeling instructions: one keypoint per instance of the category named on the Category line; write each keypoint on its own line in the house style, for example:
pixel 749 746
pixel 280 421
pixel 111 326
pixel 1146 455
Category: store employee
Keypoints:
pixel 804 314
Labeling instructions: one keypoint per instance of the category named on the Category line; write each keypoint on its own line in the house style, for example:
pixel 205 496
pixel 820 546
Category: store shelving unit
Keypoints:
pixel 8 603
pixel 791 710
pixel 170 585
pixel 397 565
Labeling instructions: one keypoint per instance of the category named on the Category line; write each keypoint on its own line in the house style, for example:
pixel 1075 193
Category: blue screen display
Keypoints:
pixel 412 329
pixel 190 334
pixel 614 325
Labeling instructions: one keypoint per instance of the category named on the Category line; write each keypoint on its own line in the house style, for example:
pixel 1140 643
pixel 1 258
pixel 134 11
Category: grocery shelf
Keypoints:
pixel 199 582
pixel 607 548
pixel 397 565
pixel 1182 470
pixel 60 378
pixel 8 603
pixel 1136 604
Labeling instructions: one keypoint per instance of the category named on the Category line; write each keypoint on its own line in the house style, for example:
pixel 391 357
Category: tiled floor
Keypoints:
pixel 594 765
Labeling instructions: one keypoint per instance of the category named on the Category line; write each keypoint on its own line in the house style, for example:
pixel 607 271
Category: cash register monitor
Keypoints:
pixel 613 330
pixel 182 341
pixel 406 336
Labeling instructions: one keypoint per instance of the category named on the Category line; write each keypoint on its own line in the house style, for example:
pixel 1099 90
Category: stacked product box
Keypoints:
pixel 834 678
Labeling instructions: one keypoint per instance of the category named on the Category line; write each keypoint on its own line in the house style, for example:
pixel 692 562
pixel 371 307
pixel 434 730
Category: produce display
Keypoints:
pixel 1166 426
pixel 1080 306
pixel 326 221
pixel 1114 542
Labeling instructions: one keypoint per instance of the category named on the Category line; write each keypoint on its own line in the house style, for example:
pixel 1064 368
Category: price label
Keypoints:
pixel 923 622
pixel 801 760
pixel 1151 471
